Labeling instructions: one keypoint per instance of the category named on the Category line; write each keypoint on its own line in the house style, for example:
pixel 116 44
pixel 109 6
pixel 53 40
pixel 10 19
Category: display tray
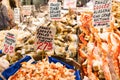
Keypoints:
pixel 1 53
pixel 15 67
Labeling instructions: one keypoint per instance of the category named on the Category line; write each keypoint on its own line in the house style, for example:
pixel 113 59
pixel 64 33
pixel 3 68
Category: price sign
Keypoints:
pixel 55 10
pixel 9 44
pixel 70 4
pixel 52 0
pixel 44 38
pixel 17 15
pixel 102 12
pixel 27 10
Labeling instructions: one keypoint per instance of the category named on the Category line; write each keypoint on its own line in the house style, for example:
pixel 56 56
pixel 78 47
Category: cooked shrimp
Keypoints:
pixel 81 37
pixel 90 58
pixel 116 61
pixel 91 75
pixel 119 59
pixel 106 70
pixel 82 54
pixel 106 49
pixel 85 19
pixel 43 71
pixel 105 66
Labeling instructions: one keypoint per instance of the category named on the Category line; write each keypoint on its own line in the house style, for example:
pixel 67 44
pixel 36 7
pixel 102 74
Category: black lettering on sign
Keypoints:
pixel 44 34
pixel 102 10
pixel 55 10
pixel 106 15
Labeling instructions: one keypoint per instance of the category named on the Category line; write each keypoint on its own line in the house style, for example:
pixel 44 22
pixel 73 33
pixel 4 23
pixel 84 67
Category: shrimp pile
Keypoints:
pixel 99 52
pixel 43 70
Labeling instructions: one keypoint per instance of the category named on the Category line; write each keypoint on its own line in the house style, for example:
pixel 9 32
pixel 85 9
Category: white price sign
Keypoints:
pixel 44 38
pixel 27 10
pixel 52 0
pixel 102 13
pixel 55 10
pixel 9 44
pixel 17 15
pixel 70 4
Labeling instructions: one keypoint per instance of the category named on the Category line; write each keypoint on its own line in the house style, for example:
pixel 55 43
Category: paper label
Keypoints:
pixel 55 10
pixel 27 10
pixel 44 38
pixel 9 44
pixel 17 15
pixel 102 12
pixel 70 4
pixel 52 0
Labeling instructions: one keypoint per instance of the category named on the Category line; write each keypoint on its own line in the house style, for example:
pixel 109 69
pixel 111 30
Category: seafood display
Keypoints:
pixel 99 51
pixel 75 38
pixel 24 44
pixel 4 64
pixel 43 70
pixel 66 40
pixel 116 11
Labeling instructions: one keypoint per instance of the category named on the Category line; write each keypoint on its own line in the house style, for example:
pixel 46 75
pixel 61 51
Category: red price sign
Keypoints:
pixel 8 48
pixel 44 38
pixel 9 44
pixel 11 49
pixel 44 45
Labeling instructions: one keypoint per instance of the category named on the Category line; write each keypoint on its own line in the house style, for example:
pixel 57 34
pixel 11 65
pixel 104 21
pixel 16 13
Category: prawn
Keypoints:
pixel 116 60
pixel 91 75
pixel 82 54
pixel 90 58
pixel 81 37
pixel 85 19
pixel 105 66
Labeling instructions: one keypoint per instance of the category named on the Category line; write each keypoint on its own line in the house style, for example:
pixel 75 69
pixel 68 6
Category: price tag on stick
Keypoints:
pixel 102 13
pixel 27 10
pixel 44 38
pixel 69 4
pixel 55 10
pixel 52 0
pixel 17 15
pixel 9 44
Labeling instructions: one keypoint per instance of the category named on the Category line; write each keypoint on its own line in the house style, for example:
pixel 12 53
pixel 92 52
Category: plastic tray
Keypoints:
pixel 15 67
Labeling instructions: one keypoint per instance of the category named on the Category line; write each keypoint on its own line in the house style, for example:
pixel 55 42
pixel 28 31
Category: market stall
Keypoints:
pixel 63 42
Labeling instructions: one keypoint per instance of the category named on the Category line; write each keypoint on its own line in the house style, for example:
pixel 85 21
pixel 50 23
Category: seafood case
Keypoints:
pixel 48 68
pixel 65 44
pixel 79 50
